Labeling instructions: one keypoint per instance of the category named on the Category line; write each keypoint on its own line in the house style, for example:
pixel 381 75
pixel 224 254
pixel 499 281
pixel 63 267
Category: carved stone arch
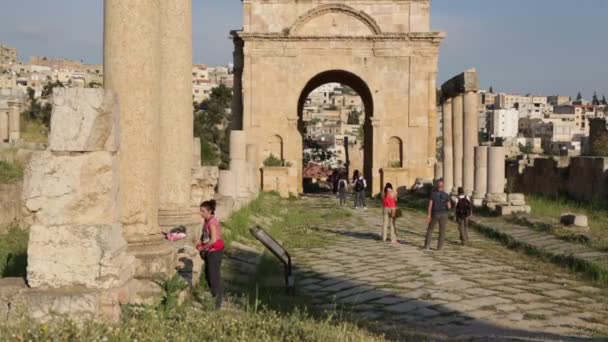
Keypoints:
pixel 335 8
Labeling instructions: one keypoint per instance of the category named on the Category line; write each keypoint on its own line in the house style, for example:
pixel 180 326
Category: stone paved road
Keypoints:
pixel 481 291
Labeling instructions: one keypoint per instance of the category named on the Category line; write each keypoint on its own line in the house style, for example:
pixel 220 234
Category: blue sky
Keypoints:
pixel 525 46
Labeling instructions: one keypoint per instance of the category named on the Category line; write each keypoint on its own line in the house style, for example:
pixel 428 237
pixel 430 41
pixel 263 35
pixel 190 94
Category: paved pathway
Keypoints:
pixel 481 291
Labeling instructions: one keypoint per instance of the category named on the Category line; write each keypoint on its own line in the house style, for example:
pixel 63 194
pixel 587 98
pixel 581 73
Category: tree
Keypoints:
pixel 526 149
pixel 579 97
pixel 491 91
pixel 314 152
pixel 595 101
pixel 604 102
pixel 353 118
pixel 38 111
pixel 212 122
pixel 599 147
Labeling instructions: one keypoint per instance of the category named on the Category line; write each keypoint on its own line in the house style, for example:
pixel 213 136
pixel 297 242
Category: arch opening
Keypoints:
pixel 352 133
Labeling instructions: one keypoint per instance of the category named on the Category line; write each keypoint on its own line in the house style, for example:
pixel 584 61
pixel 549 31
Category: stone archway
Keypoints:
pixel 284 45
pixel 362 89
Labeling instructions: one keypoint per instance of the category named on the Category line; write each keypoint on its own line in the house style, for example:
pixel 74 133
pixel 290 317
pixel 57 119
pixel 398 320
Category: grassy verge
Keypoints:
pixel 10 172
pixel 13 253
pixel 595 271
pixel 553 208
pixel 34 131
pixel 286 220
pixel 194 321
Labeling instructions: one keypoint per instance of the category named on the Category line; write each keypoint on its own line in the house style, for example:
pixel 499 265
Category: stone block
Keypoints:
pixel 84 120
pixel 71 189
pixel 204 182
pixel 497 198
pixel 516 199
pixel 276 179
pixel 506 210
pixel 460 84
pixel 575 220
pixel 478 202
pixel 91 256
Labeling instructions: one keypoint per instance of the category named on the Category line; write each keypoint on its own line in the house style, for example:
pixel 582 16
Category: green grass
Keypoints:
pixel 553 208
pixel 34 131
pixel 194 322
pixel 13 253
pixel 10 172
pixel 287 220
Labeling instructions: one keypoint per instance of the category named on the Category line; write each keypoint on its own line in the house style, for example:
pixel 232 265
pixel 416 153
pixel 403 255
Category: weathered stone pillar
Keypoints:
pixel 448 146
pixel 481 175
pixel 3 126
pixel 132 70
pixel 238 163
pixel 458 142
pixel 471 140
pixel 176 113
pixel 197 155
pixel 496 176
pixel 438 170
pixel 14 121
pixel 432 120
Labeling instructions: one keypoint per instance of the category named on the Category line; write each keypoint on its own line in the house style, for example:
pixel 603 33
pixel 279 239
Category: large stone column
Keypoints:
pixel 481 175
pixel 3 126
pixel 176 113
pixel 496 176
pixel 14 121
pixel 132 70
pixel 448 146
pixel 458 143
pixel 432 120
pixel 470 141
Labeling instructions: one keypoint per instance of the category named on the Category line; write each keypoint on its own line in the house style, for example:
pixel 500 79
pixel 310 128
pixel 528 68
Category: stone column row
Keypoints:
pixel 10 123
pixel 460 137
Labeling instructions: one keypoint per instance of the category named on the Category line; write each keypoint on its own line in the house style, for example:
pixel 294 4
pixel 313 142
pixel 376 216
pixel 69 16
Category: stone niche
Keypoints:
pixel 77 256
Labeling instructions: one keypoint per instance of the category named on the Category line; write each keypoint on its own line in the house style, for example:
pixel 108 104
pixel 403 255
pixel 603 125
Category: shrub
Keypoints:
pixel 13 253
pixel 9 172
pixel 273 161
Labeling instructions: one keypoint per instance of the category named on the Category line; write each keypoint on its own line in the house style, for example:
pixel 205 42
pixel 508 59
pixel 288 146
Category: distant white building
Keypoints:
pixel 503 123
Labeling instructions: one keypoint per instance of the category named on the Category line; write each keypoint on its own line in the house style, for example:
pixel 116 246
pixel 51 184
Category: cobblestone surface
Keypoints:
pixel 459 291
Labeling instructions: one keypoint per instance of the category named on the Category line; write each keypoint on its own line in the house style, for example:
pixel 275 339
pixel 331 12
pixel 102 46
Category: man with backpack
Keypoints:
pixel 464 211
pixel 359 185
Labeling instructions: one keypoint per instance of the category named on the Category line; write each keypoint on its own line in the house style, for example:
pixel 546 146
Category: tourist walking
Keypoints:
pixel 342 188
pixel 464 211
pixel 389 212
pixel 211 248
pixel 439 206
pixel 359 186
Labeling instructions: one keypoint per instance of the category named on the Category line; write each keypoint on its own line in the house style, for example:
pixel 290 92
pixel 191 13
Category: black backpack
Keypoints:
pixel 341 184
pixel 359 186
pixel 463 208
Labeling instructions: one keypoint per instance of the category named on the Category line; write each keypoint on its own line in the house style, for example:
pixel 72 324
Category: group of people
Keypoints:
pixel 438 210
pixel 211 245
pixel 341 185
pixel 439 207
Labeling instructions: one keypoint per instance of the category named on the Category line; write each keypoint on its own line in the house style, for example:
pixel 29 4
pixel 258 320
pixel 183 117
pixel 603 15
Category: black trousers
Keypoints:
pixel 213 265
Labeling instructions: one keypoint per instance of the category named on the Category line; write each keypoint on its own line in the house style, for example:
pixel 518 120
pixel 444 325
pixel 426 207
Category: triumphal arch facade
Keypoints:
pixel 383 49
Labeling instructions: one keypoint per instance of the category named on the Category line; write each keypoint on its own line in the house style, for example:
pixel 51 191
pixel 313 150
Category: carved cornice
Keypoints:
pixel 335 8
pixel 431 37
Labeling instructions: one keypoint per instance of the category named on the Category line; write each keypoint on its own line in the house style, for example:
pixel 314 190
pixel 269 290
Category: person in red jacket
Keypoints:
pixel 211 248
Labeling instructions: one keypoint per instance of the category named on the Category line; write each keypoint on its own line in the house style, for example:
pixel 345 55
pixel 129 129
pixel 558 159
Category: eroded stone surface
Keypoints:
pixel 84 120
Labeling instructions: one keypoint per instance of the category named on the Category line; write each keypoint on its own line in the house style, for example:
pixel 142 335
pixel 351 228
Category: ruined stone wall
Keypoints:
pixel 583 178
